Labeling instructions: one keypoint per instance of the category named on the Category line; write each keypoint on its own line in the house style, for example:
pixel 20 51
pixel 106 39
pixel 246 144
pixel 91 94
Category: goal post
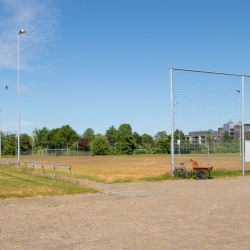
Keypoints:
pixel 140 150
pixel 207 118
pixel 58 152
pixel 53 152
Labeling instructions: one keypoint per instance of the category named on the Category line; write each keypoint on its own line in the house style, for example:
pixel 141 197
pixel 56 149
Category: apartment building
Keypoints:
pixel 233 129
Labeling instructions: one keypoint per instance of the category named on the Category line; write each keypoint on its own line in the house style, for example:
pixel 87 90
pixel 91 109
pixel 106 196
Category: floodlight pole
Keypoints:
pixel 172 123
pixel 18 133
pixel 0 134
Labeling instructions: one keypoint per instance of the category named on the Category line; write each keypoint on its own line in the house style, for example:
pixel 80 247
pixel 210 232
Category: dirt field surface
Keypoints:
pixel 113 168
pixel 186 214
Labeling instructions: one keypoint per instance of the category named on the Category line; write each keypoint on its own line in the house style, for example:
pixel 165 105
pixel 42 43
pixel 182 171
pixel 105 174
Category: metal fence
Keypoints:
pixel 51 153
pixel 13 164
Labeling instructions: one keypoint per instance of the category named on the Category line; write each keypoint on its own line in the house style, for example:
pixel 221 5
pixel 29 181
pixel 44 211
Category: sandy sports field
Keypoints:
pixel 112 168
pixel 179 214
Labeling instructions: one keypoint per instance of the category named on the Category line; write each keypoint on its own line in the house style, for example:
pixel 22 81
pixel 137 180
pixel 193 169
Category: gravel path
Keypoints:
pixel 186 214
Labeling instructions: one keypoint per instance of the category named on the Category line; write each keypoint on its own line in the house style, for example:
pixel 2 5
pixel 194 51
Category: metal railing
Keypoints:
pixel 33 164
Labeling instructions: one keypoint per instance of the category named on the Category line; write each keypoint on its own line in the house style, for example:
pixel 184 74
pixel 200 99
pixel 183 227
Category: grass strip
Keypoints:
pixel 15 184
pixel 215 174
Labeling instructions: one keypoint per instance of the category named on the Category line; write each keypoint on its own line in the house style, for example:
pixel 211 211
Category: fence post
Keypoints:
pixel 33 168
pixel 13 165
pixel 69 171
pixel 25 167
pixel 9 164
pixel 4 163
pixel 1 163
pixel 54 172
pixel 42 169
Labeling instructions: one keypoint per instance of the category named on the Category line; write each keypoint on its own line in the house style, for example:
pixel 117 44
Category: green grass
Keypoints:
pixel 215 174
pixel 15 184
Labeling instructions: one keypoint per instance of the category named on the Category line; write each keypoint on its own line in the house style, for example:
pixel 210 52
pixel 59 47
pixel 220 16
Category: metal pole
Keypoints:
pixel 18 133
pixel 243 127
pixel 69 171
pixel 172 123
pixel 239 123
pixel 0 135
pixel 20 32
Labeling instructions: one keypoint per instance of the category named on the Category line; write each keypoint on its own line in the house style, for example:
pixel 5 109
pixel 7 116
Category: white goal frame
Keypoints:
pixel 141 149
pixel 46 151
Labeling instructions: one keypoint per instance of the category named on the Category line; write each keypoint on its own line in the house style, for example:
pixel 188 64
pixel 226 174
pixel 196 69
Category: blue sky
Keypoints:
pixel 95 63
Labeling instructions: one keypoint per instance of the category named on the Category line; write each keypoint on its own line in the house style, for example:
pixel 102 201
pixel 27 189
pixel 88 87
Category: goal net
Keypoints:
pixel 140 150
pixel 53 152
pixel 207 118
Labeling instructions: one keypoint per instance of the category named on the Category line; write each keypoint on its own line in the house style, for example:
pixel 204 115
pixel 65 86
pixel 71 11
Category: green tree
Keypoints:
pixel 137 137
pixel 40 134
pixel 163 145
pixel 89 133
pixel 147 139
pixel 110 134
pixel 160 135
pixel 40 137
pixel 226 137
pixel 100 145
pixel 60 137
pixel 125 137
pixel 182 136
pixel 25 142
pixel 9 142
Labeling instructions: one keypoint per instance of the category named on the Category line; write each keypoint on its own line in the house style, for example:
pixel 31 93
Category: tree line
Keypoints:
pixel 121 141
pixel 115 141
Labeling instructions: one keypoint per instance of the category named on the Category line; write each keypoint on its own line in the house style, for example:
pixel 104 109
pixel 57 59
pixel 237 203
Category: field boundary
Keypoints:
pixel 33 164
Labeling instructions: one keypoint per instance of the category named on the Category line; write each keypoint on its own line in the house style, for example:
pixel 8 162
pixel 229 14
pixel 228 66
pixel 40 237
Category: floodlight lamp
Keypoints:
pixel 21 32
pixel 238 90
pixel 177 102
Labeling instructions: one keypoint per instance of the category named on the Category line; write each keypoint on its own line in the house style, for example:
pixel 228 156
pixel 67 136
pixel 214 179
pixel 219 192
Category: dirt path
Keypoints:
pixel 186 214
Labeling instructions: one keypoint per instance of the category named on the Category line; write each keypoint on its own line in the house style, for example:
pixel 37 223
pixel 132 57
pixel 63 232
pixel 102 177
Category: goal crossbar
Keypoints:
pixel 141 149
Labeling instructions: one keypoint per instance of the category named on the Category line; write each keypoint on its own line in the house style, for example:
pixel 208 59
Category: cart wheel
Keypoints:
pixel 180 173
pixel 200 174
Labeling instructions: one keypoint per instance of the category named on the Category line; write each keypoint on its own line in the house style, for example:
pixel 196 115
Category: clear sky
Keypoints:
pixel 95 63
